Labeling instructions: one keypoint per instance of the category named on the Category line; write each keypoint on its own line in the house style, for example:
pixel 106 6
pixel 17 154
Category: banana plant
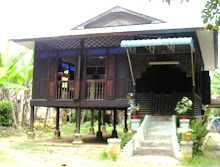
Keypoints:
pixel 14 73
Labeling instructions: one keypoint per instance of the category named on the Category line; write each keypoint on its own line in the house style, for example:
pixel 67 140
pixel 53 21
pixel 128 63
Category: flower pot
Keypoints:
pixel 183 116
pixel 186 137
pixel 135 116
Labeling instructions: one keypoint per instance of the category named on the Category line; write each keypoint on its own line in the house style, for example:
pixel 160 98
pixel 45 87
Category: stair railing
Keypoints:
pixel 131 147
pixel 175 144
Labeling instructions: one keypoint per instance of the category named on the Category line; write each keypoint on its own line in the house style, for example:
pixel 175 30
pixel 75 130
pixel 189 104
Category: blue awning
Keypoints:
pixel 158 42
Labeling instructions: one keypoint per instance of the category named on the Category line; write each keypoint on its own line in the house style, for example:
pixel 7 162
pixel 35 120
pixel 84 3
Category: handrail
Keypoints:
pixel 175 143
pixel 131 147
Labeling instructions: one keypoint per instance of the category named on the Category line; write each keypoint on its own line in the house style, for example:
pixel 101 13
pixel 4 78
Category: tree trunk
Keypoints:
pixel 83 117
pixel 45 120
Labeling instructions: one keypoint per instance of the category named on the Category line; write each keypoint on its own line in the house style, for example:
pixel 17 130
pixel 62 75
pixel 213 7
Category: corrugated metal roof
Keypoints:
pixel 158 42
pixel 119 30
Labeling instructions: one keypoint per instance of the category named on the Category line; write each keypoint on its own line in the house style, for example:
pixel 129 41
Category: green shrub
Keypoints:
pixel 103 156
pixel 198 135
pixel 5 113
pixel 114 157
pixel 125 137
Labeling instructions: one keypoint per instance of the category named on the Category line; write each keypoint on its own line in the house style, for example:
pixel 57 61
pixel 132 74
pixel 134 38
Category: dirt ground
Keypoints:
pixel 15 152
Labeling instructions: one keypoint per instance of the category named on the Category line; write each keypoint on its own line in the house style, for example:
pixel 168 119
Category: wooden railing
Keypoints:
pixel 96 89
pixel 65 89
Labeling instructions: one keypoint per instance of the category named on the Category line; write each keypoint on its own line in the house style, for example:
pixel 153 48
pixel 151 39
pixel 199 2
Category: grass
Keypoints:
pixel 209 158
pixel 30 146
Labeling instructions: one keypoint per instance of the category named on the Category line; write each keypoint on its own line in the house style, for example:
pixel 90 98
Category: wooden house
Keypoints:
pixel 119 53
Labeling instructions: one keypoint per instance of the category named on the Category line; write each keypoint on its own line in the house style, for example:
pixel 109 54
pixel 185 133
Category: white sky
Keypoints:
pixel 25 16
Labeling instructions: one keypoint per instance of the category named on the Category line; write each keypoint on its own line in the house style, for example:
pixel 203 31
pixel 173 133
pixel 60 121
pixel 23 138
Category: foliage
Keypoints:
pixel 185 131
pixel 215 86
pixel 211 15
pixel 133 107
pixel 198 135
pixel 5 113
pixel 125 137
pixel 103 156
pixel 15 71
pixel 184 105
pixel 208 158
pixel 114 157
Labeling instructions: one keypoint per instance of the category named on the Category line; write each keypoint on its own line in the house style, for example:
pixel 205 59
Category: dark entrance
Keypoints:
pixel 162 83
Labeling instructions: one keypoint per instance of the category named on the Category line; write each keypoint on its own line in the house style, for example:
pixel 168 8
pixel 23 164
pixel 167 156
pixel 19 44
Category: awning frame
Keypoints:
pixel 169 42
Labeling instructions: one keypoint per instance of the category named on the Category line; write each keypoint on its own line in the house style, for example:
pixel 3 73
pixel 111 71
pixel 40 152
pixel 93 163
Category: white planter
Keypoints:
pixel 184 123
pixel 135 124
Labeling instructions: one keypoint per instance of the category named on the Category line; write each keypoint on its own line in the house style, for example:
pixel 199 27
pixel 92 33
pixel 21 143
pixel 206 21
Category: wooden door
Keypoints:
pixel 110 77
pixel 162 104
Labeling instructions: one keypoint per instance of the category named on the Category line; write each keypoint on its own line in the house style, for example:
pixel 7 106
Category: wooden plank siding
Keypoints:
pixel 110 77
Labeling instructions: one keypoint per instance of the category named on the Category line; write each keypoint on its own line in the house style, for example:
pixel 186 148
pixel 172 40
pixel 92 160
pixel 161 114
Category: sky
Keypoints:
pixel 19 17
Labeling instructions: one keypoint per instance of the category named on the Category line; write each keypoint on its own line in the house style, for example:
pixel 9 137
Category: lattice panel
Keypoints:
pixel 69 60
pixel 105 41
pixel 65 44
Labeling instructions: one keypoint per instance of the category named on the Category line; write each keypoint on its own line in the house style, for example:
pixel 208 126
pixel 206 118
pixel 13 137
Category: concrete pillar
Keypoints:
pixel 114 147
pixel 99 133
pixel 186 150
pixel 57 131
pixel 31 134
pixel 114 132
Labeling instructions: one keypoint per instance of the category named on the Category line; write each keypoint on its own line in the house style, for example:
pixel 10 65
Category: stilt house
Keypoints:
pixel 121 53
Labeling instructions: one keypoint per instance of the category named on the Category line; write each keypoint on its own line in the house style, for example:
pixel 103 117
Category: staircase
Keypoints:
pixel 144 100
pixel 158 140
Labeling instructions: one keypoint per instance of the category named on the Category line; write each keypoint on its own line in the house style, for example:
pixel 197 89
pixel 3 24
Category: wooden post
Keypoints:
pixel 126 117
pixel 31 134
pixel 57 131
pixel 91 129
pixel 32 119
pixel 78 114
pixel 77 135
pixel 103 123
pixel 193 80
pixel 114 132
pixel 99 133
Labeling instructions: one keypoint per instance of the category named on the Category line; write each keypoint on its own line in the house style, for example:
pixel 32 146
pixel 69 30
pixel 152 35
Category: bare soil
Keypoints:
pixel 15 152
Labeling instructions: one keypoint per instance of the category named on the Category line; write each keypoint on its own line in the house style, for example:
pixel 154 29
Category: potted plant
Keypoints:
pixel 133 108
pixel 185 133
pixel 183 106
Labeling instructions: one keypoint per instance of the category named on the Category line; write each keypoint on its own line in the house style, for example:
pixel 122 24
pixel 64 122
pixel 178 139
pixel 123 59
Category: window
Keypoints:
pixel 96 67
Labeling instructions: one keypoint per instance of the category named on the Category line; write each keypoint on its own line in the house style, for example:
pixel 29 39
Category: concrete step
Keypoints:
pixel 167 125
pixel 157 143
pixel 162 133
pixel 161 118
pixel 158 137
pixel 162 130
pixel 154 151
